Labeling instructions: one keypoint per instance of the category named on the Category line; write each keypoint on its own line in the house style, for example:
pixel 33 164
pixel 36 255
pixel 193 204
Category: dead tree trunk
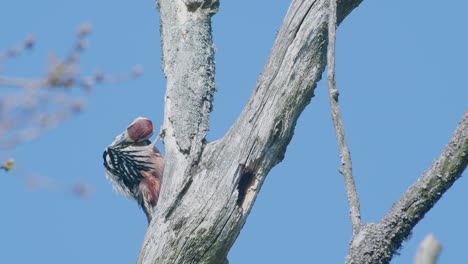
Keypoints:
pixel 209 187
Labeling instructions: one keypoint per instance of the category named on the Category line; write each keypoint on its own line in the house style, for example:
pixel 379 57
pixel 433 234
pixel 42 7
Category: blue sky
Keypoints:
pixel 401 69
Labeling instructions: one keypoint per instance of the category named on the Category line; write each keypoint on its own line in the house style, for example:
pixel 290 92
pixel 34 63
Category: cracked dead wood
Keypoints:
pixel 209 188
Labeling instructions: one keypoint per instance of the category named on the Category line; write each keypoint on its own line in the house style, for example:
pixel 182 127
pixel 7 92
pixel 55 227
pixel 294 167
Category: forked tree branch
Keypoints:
pixel 377 243
pixel 345 156
pixel 209 188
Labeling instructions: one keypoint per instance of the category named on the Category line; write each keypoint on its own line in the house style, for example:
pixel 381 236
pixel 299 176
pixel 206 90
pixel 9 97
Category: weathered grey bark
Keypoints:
pixel 376 243
pixel 209 188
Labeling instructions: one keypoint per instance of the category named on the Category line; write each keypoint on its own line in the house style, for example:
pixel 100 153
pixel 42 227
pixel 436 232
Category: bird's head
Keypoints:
pixel 139 131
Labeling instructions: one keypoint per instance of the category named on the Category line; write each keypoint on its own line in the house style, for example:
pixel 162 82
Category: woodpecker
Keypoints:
pixel 135 166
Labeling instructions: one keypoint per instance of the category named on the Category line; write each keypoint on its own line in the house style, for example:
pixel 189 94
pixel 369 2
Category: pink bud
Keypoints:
pixel 29 42
pixel 84 30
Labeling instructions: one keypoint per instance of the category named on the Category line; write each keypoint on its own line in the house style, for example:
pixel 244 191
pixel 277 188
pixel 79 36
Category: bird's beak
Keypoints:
pixel 120 140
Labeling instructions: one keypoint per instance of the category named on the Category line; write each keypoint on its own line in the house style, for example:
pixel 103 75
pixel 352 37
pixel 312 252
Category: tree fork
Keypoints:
pixel 209 188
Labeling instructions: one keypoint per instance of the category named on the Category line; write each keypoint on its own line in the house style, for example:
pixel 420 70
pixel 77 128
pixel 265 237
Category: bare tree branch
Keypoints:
pixel 209 188
pixel 428 251
pixel 345 156
pixel 31 106
pixel 188 64
pixel 376 243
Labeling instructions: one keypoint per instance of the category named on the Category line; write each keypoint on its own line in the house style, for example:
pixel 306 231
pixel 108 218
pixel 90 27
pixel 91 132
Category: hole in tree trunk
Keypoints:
pixel 244 183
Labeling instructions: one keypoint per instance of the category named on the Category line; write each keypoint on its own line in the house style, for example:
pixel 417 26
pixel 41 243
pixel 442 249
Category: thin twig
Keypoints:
pixel 345 157
pixel 20 83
